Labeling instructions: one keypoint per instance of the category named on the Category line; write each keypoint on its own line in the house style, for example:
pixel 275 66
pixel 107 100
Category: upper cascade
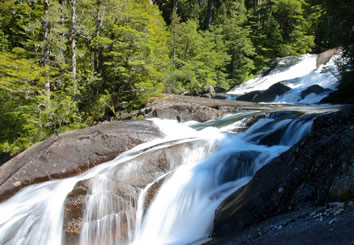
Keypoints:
pixel 294 80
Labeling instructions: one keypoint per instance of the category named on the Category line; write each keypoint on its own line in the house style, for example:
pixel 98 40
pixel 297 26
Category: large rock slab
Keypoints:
pixel 185 108
pixel 72 152
pixel 268 95
pixel 318 169
pixel 315 89
pixel 330 224
pixel 338 97
pixel 119 188
pixel 249 96
pixel 325 56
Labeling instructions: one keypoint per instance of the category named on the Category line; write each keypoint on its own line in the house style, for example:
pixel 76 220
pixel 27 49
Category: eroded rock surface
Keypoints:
pixel 315 89
pixel 120 187
pixel 268 95
pixel 185 108
pixel 317 170
pixel 72 153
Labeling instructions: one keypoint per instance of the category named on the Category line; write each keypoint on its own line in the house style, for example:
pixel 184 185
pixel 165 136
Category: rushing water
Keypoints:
pixel 184 207
pixel 182 210
pixel 298 73
pixel 214 159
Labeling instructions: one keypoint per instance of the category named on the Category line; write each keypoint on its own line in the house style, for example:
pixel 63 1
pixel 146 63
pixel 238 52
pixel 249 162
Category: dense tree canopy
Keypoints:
pixel 66 64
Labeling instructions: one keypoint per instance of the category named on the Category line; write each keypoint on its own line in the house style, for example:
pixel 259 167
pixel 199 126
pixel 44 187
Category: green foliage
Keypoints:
pixel 281 28
pixel 57 74
pixel 26 114
pixel 4 43
pixel 198 59
pixel 133 53
pixel 335 27
pixel 236 35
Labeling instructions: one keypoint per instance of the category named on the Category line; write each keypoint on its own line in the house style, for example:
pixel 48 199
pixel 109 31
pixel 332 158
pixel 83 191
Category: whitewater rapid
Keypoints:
pixel 298 73
pixel 225 156
pixel 182 211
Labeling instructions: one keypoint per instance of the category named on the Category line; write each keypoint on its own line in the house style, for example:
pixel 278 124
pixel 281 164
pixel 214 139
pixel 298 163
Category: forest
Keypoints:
pixel 68 64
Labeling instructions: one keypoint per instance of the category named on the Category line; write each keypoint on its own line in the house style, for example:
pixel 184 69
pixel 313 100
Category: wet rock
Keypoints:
pixel 294 228
pixel 72 153
pixel 119 188
pixel 342 189
pixel 249 121
pixel 153 191
pixel 238 165
pixel 268 95
pixel 325 56
pixel 306 173
pixel 272 92
pixel 338 97
pixel 73 212
pixel 249 96
pixel 185 112
pixel 315 89
pixel 184 108
pixel 218 96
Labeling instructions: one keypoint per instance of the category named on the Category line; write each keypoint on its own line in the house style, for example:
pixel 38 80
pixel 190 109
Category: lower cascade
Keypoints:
pixel 172 203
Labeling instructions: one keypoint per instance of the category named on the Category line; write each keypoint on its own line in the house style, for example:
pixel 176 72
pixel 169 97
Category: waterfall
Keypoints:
pixel 215 162
pixel 183 209
pixel 166 191
pixel 298 73
pixel 35 214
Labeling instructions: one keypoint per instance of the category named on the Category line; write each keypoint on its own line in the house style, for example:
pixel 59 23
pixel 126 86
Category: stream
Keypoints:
pixel 217 158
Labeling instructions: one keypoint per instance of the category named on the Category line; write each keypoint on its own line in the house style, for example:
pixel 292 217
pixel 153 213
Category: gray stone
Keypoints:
pixel 72 153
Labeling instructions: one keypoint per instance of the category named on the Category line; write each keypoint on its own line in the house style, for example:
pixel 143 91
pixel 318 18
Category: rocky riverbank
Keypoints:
pixel 303 182
pixel 71 153
pixel 185 108
pixel 329 224
pixel 309 188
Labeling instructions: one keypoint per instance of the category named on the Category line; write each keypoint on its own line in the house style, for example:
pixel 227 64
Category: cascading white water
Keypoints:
pixel 35 214
pixel 183 210
pixel 193 186
pixel 298 73
pixel 184 206
pixel 107 212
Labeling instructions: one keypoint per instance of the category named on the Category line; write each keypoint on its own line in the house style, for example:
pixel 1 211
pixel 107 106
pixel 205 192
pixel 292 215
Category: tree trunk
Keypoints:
pixel 62 23
pixel 73 40
pixel 209 14
pixel 99 22
pixel 45 54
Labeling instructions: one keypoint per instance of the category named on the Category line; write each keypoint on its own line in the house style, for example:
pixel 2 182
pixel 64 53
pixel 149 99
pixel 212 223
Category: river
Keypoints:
pixel 197 180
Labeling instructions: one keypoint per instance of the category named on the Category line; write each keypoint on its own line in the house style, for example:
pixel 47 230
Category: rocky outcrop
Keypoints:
pixel 218 96
pixel 325 56
pixel 71 153
pixel 338 97
pixel 184 108
pixel 268 95
pixel 315 89
pixel 330 224
pixel 184 112
pixel 317 170
pixel 122 185
pixel 249 96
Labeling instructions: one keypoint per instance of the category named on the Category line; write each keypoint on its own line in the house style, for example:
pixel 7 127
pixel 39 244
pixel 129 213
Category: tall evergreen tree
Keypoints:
pixel 236 34
pixel 198 59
